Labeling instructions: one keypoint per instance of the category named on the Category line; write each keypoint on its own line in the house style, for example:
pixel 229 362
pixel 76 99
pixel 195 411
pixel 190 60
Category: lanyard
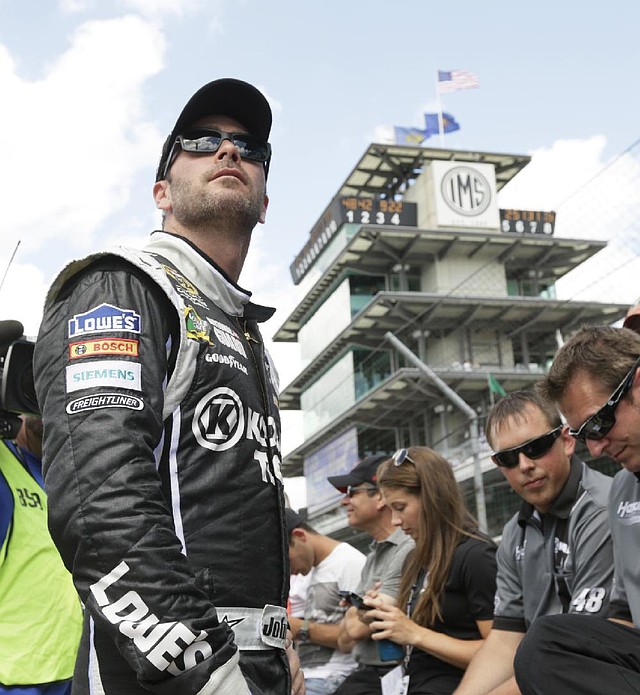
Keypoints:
pixel 417 588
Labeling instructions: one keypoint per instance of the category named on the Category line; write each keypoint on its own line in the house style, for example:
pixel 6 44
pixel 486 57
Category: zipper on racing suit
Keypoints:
pixel 259 365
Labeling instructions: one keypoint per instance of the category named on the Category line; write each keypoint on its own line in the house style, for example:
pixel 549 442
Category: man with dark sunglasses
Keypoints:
pixel 162 432
pixel 555 555
pixel 366 511
pixel 595 380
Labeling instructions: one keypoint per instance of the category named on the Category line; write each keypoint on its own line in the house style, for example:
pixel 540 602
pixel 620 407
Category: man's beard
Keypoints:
pixel 199 209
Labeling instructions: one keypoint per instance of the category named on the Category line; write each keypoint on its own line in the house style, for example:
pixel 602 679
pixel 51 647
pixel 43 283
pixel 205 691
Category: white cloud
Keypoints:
pixel 74 6
pixel 176 8
pixel 554 173
pixel 22 295
pixel 76 137
pixel 384 134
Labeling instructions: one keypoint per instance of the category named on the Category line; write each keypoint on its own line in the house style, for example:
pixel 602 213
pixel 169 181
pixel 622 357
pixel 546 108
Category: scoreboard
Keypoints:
pixel 351 210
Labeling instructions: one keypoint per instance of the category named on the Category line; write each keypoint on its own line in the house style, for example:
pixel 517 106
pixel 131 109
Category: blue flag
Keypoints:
pixel 432 126
pixel 409 136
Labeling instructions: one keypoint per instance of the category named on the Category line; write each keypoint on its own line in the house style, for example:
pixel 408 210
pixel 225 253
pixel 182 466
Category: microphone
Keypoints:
pixel 10 330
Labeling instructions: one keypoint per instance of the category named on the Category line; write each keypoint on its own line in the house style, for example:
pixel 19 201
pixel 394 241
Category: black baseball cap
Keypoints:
pixel 632 322
pixel 292 519
pixel 364 472
pixel 229 97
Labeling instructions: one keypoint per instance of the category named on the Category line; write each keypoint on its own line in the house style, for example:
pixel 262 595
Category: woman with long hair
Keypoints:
pixel 444 609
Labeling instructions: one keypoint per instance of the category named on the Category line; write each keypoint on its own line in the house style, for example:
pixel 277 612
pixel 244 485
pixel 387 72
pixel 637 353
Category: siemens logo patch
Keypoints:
pixel 105 318
pixel 112 373
pixel 104 400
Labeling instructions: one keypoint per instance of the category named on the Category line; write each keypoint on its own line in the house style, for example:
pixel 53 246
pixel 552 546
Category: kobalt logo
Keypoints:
pixel 220 421
pixel 157 641
pixel 466 191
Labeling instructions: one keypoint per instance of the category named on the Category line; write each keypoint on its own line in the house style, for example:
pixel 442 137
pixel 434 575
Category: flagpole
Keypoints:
pixel 439 102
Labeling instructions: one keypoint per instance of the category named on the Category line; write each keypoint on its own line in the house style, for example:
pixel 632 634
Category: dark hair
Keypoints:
pixel 514 406
pixel 305 527
pixel 444 521
pixel 604 353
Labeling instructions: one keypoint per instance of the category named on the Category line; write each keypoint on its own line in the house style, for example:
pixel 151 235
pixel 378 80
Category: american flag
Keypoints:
pixel 452 80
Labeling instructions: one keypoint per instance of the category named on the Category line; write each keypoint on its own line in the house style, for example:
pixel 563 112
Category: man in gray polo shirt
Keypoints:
pixel 595 379
pixel 555 555
pixel 367 512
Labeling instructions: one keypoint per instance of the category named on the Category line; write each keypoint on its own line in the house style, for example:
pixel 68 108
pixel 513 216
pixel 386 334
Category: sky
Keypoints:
pixel 90 88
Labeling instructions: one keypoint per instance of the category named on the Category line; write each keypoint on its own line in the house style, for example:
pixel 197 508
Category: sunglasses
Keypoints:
pixel 351 491
pixel 599 425
pixel 208 141
pixel 533 449
pixel 401 456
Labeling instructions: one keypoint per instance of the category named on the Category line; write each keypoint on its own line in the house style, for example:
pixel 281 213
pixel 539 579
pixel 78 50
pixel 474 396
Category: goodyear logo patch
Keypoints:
pixel 112 373
pixel 97 347
pixel 104 318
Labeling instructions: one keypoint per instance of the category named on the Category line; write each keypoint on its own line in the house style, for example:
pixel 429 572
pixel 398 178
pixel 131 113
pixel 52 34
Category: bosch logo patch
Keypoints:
pixel 101 346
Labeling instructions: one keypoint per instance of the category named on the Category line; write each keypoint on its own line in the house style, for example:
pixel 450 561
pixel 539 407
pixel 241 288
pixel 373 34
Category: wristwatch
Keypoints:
pixel 303 633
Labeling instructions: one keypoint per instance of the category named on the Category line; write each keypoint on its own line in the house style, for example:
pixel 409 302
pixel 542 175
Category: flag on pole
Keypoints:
pixel 453 80
pixel 409 136
pixel 432 123
pixel 495 387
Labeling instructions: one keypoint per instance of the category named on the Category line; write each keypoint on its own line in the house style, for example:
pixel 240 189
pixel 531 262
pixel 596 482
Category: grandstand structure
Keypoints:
pixel 421 301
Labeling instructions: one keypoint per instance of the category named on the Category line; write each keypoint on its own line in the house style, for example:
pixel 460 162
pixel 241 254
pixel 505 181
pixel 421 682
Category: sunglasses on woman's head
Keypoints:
pixel 533 449
pixel 401 456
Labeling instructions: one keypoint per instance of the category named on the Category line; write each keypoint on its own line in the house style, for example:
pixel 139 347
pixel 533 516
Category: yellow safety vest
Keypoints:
pixel 40 612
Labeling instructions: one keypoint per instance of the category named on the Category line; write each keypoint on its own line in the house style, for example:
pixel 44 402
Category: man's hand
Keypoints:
pixel 297 675
pixel 295 624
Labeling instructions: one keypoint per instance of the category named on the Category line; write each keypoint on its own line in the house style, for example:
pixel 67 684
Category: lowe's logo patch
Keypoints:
pixel 105 318
pixel 110 373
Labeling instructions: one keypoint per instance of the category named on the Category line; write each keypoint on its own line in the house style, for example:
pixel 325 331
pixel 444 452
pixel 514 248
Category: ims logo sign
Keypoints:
pixel 466 191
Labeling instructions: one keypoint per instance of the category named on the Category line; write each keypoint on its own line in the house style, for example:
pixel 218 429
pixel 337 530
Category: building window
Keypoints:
pixel 370 368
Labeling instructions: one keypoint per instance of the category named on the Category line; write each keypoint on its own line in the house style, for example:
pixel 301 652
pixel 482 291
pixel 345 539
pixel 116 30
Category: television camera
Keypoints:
pixel 17 390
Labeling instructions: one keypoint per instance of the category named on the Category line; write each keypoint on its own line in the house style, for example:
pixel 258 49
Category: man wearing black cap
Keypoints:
pixel 162 429
pixel 367 511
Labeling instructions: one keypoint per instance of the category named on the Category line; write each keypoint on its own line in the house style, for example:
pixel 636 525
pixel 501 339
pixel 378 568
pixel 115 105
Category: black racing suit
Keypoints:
pixel 162 466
